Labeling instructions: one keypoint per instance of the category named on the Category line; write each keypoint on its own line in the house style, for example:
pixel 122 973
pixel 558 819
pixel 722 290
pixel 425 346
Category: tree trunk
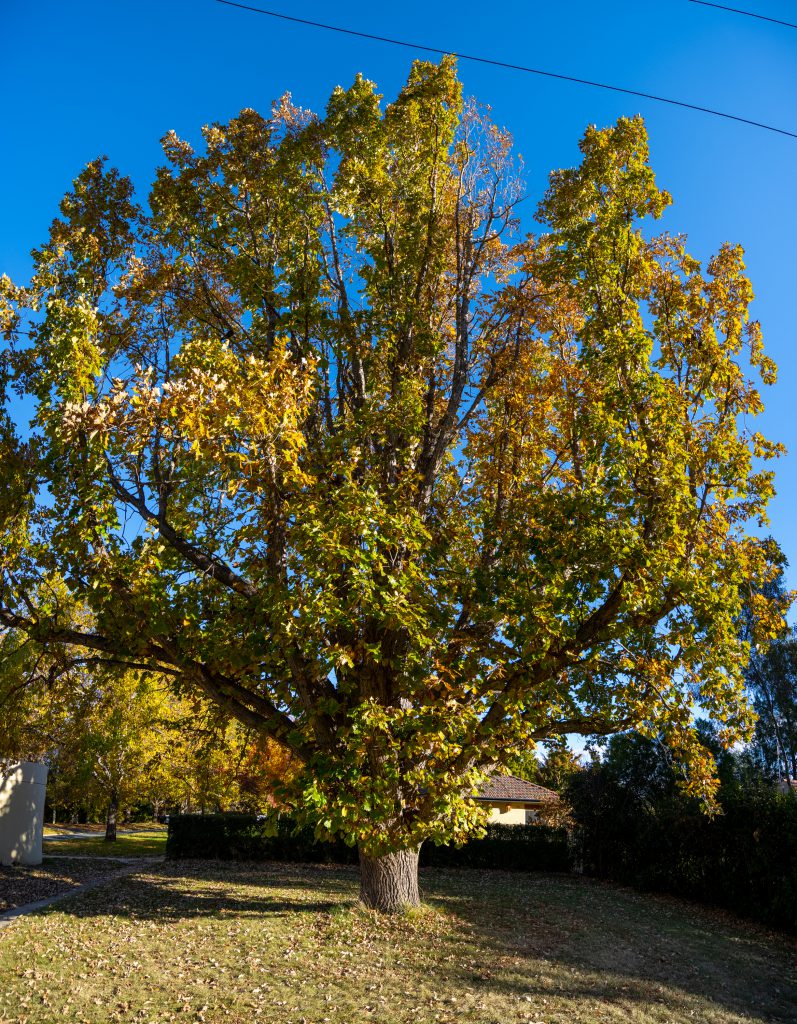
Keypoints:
pixel 110 821
pixel 390 883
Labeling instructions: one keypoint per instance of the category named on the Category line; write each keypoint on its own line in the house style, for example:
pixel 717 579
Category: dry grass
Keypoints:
pixel 203 941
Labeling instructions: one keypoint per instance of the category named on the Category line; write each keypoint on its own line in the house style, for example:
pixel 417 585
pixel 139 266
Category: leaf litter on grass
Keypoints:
pixel 213 942
pixel 22 884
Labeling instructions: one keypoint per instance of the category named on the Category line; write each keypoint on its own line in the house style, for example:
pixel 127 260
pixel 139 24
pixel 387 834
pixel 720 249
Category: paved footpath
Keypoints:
pixel 130 865
pixel 70 835
pixel 58 836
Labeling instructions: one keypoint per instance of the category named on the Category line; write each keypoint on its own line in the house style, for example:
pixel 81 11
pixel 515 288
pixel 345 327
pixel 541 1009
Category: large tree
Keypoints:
pixel 323 437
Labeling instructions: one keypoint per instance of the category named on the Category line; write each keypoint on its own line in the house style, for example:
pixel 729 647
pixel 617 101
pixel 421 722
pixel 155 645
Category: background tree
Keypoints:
pixel 321 438
pixel 100 729
pixel 40 686
pixel 771 678
pixel 118 738
pixel 558 764
pixel 550 763
pixel 213 765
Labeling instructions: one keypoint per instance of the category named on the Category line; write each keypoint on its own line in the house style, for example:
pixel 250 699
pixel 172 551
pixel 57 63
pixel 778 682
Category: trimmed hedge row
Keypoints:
pixel 507 847
pixel 744 859
pixel 245 837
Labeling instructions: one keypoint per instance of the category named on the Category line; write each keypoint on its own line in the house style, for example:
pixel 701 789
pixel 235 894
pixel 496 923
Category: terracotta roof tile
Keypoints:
pixel 511 788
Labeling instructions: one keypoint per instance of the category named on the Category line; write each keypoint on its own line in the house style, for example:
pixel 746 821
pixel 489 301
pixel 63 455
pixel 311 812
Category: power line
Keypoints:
pixel 511 67
pixel 748 14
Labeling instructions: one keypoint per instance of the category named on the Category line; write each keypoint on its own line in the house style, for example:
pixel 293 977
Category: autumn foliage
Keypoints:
pixel 325 438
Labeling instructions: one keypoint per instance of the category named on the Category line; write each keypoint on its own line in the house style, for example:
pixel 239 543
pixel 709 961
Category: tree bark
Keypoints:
pixel 390 883
pixel 110 821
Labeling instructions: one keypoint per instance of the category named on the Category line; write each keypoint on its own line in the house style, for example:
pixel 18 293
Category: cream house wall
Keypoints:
pixel 507 814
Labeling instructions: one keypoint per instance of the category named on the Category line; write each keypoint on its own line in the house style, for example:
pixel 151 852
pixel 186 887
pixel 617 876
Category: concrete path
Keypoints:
pixel 93 856
pixel 98 835
pixel 70 835
pixel 132 865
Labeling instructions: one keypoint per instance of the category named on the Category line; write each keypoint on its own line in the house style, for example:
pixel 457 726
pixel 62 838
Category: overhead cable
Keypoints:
pixel 747 14
pixel 511 67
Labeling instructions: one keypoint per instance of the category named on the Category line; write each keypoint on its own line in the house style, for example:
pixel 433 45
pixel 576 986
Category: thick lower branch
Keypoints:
pixel 247 706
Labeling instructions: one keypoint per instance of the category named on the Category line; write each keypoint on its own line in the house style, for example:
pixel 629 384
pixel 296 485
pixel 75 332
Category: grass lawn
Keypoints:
pixel 209 942
pixel 143 845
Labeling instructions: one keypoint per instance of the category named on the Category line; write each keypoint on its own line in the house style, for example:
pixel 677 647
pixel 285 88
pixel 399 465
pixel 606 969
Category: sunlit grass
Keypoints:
pixel 204 941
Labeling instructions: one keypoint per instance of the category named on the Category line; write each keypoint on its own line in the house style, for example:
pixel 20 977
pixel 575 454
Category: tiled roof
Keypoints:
pixel 511 788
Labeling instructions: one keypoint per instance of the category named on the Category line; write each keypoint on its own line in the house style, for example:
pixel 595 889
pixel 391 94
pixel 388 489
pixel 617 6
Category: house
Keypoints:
pixel 513 801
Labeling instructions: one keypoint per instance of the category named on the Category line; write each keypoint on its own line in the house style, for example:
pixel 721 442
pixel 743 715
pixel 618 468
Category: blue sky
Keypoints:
pixel 113 77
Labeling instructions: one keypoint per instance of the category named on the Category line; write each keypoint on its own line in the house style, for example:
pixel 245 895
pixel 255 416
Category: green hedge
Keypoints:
pixel 744 859
pixel 508 847
pixel 244 837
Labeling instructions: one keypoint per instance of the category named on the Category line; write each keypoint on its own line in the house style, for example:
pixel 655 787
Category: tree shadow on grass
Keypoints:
pixel 580 939
pixel 528 937
pixel 180 890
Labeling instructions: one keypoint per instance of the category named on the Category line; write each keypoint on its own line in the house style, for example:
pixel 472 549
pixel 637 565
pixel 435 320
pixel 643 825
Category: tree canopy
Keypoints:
pixel 322 436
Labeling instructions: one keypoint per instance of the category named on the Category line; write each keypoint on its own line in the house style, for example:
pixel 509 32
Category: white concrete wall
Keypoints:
pixel 22 789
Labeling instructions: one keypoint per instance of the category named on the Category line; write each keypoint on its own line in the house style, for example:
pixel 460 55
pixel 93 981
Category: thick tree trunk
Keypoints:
pixel 110 821
pixel 390 883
